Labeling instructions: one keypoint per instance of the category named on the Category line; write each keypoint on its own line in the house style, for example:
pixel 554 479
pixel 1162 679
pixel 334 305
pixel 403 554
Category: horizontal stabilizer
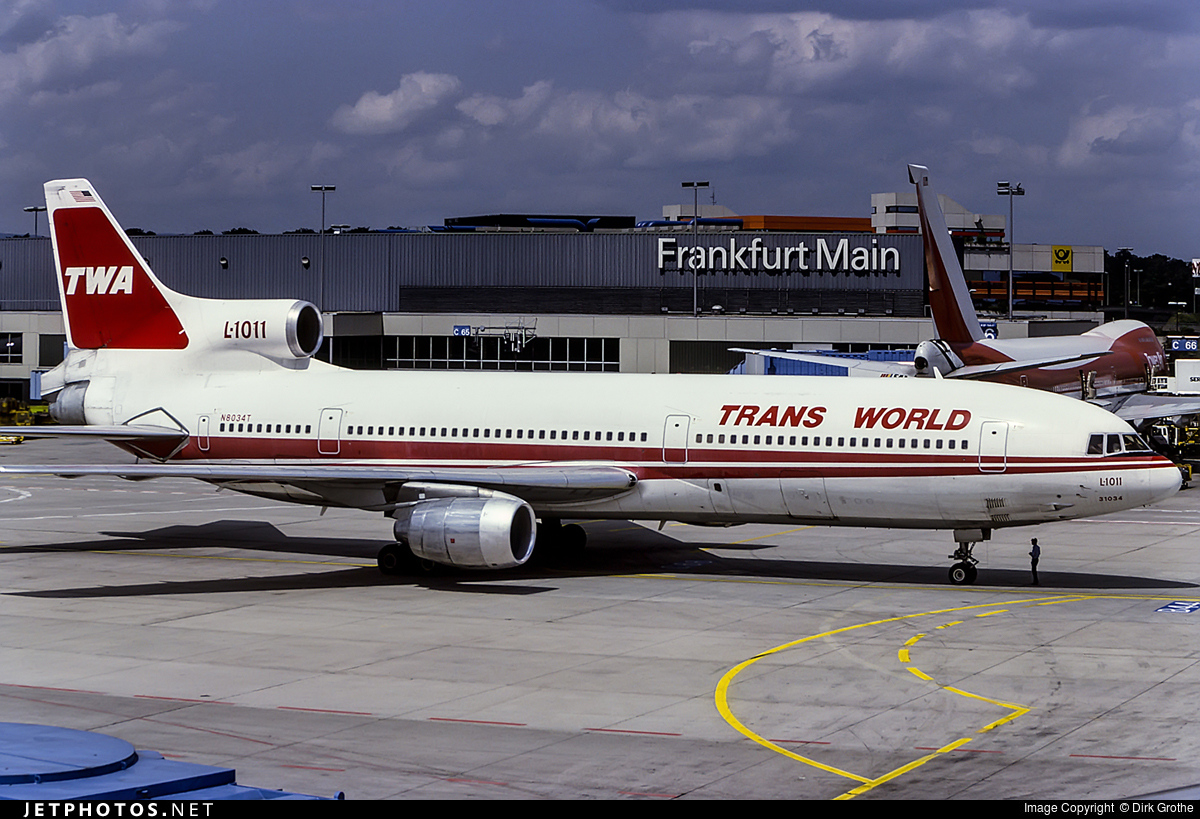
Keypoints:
pixel 122 432
pixel 988 370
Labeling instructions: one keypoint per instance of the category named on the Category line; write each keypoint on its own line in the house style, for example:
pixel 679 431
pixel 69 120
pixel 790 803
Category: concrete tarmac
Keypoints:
pixel 750 662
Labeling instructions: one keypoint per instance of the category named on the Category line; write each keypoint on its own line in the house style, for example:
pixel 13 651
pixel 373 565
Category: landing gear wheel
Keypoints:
pixel 572 540
pixel 963 574
pixel 558 544
pixel 395 559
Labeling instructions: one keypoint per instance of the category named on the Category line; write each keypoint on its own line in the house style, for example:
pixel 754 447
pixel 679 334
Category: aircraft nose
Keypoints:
pixel 1163 481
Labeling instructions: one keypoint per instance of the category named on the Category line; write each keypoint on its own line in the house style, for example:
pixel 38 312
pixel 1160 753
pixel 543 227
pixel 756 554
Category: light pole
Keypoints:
pixel 1005 189
pixel 323 189
pixel 35 210
pixel 695 186
pixel 1127 251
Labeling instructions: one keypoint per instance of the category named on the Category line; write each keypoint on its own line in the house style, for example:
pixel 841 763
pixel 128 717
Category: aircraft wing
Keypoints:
pixel 1143 405
pixel 373 487
pixel 854 366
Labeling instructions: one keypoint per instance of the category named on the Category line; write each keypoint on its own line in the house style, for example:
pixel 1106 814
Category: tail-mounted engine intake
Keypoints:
pixel 935 355
pixel 471 533
pixel 276 328
pixel 68 407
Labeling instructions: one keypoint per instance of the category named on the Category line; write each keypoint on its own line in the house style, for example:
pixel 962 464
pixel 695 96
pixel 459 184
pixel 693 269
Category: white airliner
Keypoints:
pixel 466 463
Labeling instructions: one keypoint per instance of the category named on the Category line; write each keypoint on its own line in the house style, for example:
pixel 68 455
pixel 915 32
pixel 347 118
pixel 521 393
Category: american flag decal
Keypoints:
pixel 82 196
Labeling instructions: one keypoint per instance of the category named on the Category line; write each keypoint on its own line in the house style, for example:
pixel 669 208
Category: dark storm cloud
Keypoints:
pixel 212 114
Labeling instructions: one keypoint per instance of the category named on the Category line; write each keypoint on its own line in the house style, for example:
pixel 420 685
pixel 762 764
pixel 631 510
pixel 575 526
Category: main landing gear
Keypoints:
pixel 398 559
pixel 557 543
pixel 963 572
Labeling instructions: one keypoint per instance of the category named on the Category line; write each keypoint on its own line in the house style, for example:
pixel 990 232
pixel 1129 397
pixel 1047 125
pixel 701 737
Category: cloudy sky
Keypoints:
pixel 217 114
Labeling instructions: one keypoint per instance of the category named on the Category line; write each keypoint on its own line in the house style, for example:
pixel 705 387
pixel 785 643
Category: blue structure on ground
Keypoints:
pixel 44 763
pixel 783 366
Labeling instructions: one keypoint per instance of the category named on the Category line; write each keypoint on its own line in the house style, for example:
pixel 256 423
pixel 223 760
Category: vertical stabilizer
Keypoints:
pixel 110 297
pixel 954 316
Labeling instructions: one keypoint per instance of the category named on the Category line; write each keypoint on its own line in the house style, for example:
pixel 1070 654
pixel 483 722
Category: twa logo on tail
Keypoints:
pixel 96 260
pixel 100 280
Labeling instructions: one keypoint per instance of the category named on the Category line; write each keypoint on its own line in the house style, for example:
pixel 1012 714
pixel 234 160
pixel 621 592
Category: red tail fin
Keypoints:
pixel 954 317
pixel 110 297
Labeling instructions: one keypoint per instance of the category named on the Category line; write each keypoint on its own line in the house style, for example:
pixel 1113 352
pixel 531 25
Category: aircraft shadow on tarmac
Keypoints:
pixel 637 550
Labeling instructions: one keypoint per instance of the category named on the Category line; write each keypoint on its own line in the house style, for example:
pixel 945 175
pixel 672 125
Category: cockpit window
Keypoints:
pixel 1113 444
pixel 1134 443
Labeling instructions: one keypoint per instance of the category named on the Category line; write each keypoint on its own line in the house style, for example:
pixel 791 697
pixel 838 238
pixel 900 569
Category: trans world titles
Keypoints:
pixel 823 258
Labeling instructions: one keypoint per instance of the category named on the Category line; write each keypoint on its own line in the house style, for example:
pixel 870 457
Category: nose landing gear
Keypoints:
pixel 963 572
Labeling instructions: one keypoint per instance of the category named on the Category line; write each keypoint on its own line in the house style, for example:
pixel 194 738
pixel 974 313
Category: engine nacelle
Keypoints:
pixel 276 328
pixel 935 355
pixel 470 533
pixel 68 407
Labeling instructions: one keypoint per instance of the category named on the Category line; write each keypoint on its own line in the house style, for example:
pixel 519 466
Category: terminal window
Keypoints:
pixel 493 353
pixel 11 350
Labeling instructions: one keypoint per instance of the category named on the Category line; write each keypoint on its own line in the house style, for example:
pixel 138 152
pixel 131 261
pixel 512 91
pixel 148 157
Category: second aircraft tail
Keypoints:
pixel 954 317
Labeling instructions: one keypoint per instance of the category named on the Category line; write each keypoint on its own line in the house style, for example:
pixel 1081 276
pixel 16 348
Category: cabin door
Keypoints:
pixel 993 446
pixel 329 431
pixel 675 438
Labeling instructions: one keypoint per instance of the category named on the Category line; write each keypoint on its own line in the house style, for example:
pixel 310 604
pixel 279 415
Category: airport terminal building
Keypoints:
pixel 579 293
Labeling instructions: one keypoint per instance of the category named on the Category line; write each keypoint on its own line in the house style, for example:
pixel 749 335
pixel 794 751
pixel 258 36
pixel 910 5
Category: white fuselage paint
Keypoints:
pixel 705 449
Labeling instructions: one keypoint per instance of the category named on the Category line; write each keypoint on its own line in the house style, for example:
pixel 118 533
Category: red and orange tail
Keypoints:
pixel 954 317
pixel 110 297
